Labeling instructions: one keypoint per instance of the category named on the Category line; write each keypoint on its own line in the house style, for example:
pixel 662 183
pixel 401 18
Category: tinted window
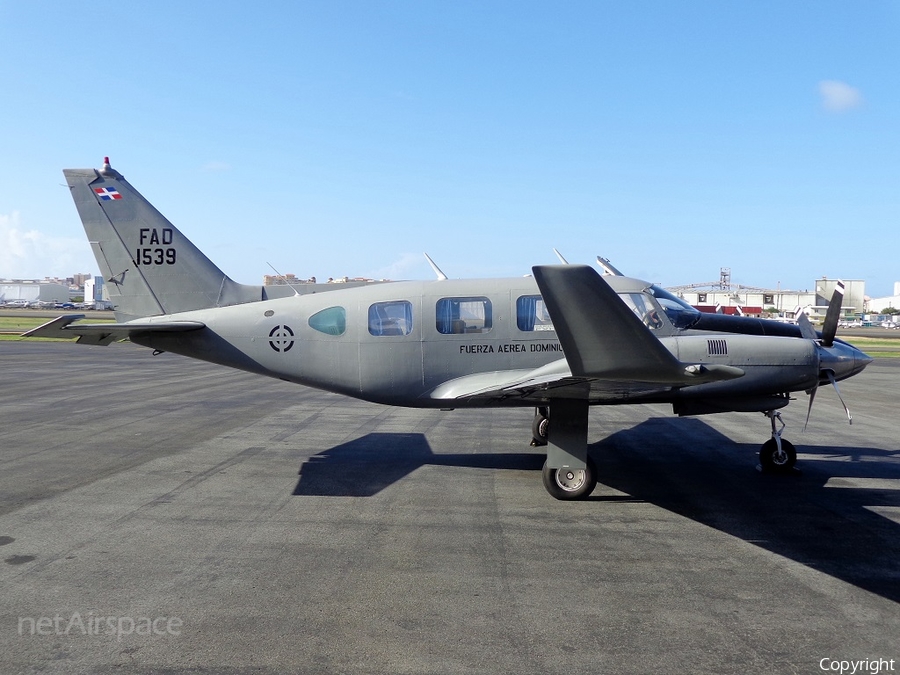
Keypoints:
pixel 390 318
pixel 463 315
pixel 680 313
pixel 331 321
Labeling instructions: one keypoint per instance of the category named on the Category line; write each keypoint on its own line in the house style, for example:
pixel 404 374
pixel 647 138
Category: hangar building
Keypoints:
pixel 762 301
pixel 878 304
pixel 33 291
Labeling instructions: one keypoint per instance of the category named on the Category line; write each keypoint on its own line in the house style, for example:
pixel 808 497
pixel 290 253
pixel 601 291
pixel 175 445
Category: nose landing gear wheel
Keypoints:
pixel 570 484
pixel 775 460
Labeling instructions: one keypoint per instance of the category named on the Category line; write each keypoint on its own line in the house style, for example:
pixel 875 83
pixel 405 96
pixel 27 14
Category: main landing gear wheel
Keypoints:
pixel 775 460
pixel 540 426
pixel 570 483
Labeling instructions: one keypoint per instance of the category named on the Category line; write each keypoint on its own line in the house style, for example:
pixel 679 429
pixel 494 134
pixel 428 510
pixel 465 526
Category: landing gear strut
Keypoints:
pixel 777 455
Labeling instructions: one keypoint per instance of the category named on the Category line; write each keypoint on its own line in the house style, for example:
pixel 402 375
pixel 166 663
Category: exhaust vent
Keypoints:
pixel 717 347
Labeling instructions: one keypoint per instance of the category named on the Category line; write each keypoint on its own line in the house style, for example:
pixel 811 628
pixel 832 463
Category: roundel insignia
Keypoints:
pixel 281 338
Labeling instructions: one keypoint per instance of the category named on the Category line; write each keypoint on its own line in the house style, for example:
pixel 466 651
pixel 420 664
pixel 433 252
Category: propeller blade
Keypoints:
pixel 829 328
pixel 812 397
pixel 806 328
pixel 834 384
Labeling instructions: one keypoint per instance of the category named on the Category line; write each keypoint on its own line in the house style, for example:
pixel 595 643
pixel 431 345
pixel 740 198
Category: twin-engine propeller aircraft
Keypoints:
pixel 560 342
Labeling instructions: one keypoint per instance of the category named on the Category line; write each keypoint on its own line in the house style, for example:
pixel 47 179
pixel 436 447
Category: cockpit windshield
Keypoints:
pixel 680 313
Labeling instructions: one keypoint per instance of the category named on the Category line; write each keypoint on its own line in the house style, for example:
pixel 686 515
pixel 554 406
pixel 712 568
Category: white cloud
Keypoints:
pixel 839 96
pixel 31 254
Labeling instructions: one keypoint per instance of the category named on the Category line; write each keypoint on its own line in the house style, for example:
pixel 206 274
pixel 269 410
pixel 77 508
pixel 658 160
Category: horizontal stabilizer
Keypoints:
pixel 105 333
pixel 602 337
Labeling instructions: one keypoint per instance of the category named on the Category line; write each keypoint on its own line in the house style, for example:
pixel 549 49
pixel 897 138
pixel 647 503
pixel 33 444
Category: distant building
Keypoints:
pixel 79 279
pixel 291 280
pixel 93 289
pixel 284 280
pixel 745 310
pixel 854 296
pixel 875 305
pixel 756 301
pixel 33 291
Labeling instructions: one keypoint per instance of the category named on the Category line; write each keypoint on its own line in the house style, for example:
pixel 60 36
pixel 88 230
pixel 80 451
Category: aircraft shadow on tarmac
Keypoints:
pixel 367 465
pixel 686 467
pixel 698 473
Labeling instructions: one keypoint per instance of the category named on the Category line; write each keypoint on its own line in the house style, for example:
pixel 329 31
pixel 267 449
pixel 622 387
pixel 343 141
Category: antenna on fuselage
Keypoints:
pixel 561 258
pixel 437 270
pixel 608 268
pixel 284 278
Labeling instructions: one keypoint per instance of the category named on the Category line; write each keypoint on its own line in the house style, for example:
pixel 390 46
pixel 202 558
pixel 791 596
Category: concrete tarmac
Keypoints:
pixel 160 515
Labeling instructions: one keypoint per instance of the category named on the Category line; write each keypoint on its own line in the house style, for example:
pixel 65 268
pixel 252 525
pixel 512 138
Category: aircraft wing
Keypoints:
pixel 504 384
pixel 541 385
pixel 603 339
pixel 610 354
pixel 105 333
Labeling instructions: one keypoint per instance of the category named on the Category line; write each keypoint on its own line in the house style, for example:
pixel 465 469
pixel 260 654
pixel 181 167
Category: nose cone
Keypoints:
pixel 861 360
pixel 843 359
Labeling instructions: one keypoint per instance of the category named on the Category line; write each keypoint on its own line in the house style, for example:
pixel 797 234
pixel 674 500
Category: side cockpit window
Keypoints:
pixel 331 321
pixel 463 315
pixel 390 318
pixel 531 314
pixel 644 308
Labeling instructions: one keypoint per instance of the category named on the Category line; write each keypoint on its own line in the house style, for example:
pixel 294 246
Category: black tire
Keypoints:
pixel 569 484
pixel 770 460
pixel 539 427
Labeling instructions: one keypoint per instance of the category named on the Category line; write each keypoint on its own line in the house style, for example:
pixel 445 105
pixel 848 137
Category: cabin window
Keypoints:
pixel 531 314
pixel 463 315
pixel 331 321
pixel 390 318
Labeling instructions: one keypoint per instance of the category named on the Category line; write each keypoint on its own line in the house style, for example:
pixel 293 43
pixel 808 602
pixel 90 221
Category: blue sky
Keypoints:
pixel 346 138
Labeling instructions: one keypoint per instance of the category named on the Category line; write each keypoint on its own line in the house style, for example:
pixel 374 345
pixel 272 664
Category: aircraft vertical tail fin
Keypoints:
pixel 148 265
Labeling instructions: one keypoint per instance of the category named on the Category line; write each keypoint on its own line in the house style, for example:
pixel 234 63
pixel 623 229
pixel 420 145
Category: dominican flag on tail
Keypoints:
pixel 106 194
